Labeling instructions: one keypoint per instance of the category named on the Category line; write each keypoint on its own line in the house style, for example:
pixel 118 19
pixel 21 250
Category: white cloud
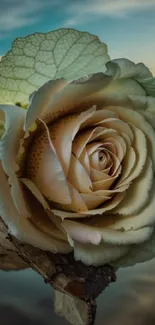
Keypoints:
pixel 89 10
pixel 15 13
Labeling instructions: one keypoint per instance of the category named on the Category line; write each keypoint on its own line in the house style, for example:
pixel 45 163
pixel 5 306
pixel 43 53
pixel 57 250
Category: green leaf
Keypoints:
pixel 37 58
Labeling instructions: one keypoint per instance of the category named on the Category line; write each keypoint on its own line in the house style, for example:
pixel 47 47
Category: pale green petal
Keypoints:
pixel 144 105
pixel 98 255
pixel 37 58
pixel 51 103
pixel 145 217
pixel 9 145
pixel 138 254
pixel 124 68
pixel 149 85
pixel 20 226
pixel 95 234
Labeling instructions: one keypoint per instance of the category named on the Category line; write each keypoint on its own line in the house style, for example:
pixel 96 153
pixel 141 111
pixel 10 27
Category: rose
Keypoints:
pixel 77 168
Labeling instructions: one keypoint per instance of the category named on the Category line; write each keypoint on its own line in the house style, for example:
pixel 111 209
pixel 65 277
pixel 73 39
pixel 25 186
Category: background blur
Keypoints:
pixel 26 300
pixel 128 28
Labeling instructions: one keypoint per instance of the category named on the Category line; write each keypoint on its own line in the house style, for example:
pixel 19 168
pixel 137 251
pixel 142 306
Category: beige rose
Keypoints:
pixel 77 168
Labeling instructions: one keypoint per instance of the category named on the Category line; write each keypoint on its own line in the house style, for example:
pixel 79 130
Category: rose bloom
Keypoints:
pixel 77 167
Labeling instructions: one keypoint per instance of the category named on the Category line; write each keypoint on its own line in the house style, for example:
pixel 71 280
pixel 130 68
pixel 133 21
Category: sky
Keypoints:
pixel 126 26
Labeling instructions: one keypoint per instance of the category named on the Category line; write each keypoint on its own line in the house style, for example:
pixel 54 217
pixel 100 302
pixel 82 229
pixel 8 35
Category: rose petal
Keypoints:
pixel 136 119
pixel 102 133
pixel 96 175
pixel 138 193
pixel 2 123
pixel 106 207
pixel 111 204
pixel 82 139
pixel 128 163
pixel 85 161
pixel 40 218
pixel 119 151
pixel 145 106
pixel 41 100
pixel 93 201
pixel 57 98
pixel 124 68
pixel 145 217
pixel 78 176
pixel 140 147
pixel 98 117
pixel 112 148
pixel 106 183
pixel 20 226
pixel 45 170
pixel 118 90
pixel 94 161
pixel 14 121
pixel 72 95
pixel 63 132
pixel 86 234
pixel 98 255
pixel 91 147
pixel 77 203
pixel 118 125
pixel 9 145
pixel 35 191
pixel 17 194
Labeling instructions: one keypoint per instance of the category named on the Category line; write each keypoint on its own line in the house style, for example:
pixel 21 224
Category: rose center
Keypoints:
pixel 101 156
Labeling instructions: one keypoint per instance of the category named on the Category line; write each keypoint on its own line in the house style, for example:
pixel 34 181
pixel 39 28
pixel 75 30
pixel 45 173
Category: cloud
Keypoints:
pixel 16 13
pixel 88 10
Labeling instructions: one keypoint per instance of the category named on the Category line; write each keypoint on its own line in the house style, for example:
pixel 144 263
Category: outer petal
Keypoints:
pixel 35 191
pixel 138 193
pixel 44 219
pixel 21 227
pixel 84 233
pixel 128 163
pixel 127 79
pixel 45 170
pixel 140 148
pixel 65 101
pixel 98 117
pixel 145 217
pixel 98 255
pixel 40 101
pixel 9 144
pixel 124 68
pixel 145 105
pixel 148 84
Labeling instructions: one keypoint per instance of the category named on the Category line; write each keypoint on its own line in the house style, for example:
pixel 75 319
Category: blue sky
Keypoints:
pixel 126 26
